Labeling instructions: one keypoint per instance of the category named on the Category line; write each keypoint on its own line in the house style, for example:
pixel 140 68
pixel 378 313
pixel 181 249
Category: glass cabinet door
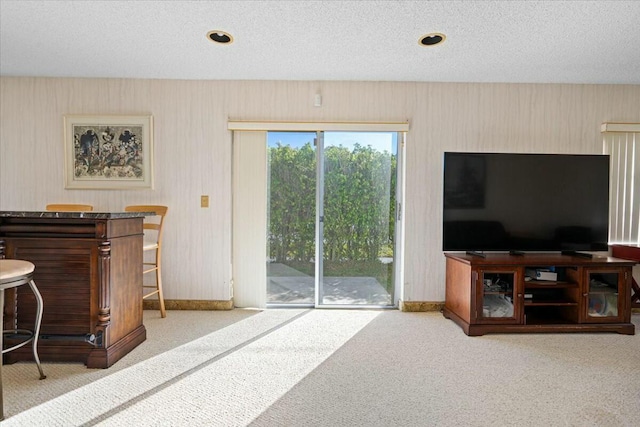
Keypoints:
pixel 497 296
pixel 604 299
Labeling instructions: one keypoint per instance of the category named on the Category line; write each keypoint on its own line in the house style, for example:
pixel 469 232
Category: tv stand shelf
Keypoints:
pixel 549 303
pixel 492 294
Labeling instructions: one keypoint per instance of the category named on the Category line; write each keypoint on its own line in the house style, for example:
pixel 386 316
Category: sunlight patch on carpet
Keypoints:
pixel 228 377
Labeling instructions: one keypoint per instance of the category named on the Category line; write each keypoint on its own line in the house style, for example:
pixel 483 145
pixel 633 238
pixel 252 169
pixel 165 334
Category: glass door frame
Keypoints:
pixel 398 228
pixel 395 272
pixel 622 294
pixel 319 275
pixel 515 294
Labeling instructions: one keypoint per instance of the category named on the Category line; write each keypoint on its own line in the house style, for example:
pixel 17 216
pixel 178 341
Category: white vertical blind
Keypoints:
pixel 249 219
pixel 622 142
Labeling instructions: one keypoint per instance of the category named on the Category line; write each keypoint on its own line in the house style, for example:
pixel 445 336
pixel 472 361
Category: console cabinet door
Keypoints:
pixel 498 296
pixel 605 293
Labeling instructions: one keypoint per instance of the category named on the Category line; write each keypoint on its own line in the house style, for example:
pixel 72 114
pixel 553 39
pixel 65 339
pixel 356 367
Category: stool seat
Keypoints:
pixel 11 269
pixel 69 207
pixel 152 242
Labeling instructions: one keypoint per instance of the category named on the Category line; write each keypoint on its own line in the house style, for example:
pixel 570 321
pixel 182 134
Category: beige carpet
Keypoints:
pixel 337 368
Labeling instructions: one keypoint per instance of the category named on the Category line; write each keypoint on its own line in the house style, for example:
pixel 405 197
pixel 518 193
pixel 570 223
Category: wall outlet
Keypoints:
pixel 204 201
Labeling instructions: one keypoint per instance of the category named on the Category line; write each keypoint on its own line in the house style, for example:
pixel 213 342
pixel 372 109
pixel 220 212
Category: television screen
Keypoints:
pixel 525 202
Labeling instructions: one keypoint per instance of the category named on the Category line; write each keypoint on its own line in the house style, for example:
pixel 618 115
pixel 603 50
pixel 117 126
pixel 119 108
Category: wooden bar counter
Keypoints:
pixel 89 272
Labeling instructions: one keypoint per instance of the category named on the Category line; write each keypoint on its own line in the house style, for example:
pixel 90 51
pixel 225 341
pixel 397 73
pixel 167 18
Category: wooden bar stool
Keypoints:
pixel 14 273
pixel 69 207
pixel 153 243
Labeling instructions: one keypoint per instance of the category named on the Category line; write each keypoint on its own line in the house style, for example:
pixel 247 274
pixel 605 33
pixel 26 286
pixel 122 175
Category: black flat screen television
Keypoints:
pixel 525 202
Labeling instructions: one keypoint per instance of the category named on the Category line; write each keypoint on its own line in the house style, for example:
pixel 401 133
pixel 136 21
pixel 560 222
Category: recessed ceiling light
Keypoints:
pixel 432 39
pixel 221 37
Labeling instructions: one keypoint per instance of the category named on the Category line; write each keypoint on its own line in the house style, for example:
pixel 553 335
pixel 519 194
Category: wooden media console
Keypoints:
pixel 499 293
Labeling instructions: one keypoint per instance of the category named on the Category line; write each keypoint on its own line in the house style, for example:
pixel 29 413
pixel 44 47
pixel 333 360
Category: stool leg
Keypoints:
pixel 36 332
pixel 163 312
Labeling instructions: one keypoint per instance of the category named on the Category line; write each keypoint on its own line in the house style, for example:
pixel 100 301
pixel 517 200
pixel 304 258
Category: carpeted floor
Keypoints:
pixel 337 368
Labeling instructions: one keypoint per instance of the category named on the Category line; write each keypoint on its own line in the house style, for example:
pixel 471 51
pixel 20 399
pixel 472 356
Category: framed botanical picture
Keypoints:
pixel 108 152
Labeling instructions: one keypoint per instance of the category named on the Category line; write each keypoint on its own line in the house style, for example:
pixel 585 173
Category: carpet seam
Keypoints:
pixel 105 416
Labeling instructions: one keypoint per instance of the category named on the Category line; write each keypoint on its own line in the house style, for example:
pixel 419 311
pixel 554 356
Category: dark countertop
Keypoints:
pixel 88 215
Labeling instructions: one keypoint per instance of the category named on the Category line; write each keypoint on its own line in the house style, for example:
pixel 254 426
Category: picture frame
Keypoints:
pixel 108 152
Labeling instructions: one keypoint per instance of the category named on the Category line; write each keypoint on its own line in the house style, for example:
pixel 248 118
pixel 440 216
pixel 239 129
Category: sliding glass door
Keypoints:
pixel 332 200
pixel 357 218
pixel 291 217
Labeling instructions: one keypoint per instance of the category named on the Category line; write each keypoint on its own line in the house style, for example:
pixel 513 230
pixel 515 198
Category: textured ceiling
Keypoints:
pixel 487 41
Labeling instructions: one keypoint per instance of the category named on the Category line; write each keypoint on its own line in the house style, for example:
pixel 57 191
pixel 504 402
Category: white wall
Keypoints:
pixel 193 150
